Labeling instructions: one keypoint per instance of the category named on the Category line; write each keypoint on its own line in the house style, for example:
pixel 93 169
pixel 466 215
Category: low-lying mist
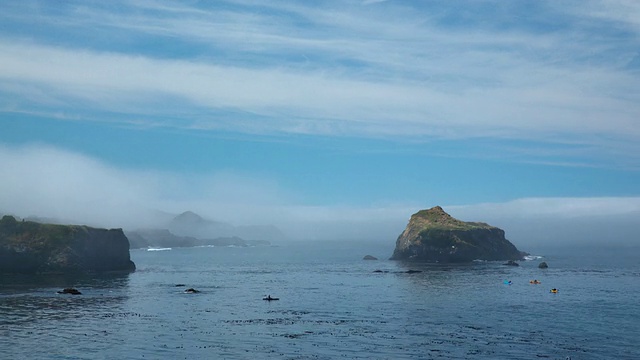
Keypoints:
pixel 68 187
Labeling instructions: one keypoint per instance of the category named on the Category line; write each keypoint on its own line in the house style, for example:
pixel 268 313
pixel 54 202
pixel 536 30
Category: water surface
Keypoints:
pixel 332 305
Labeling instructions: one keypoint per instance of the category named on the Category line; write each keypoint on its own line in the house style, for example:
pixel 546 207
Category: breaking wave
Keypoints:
pixel 158 249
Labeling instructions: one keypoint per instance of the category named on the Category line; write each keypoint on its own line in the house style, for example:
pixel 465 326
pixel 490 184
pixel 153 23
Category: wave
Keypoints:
pixel 158 249
pixel 532 257
pixel 221 246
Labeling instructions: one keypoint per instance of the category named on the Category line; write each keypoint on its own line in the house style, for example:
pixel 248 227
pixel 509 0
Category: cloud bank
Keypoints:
pixel 39 180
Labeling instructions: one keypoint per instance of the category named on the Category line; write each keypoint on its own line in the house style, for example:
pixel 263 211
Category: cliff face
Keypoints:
pixel 434 236
pixel 30 247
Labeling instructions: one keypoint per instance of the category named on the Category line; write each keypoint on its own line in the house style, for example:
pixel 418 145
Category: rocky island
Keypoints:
pixel 434 236
pixel 31 247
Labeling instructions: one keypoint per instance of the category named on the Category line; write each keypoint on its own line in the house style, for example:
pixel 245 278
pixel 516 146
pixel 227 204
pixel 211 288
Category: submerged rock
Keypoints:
pixel 434 236
pixel 369 257
pixel 192 291
pixel 31 247
pixel 511 263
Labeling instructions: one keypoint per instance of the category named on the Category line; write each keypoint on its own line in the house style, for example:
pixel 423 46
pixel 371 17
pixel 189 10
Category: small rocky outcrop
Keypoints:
pixel 31 247
pixel 434 236
pixel 543 265
pixel 369 257
pixel 71 291
pixel 511 263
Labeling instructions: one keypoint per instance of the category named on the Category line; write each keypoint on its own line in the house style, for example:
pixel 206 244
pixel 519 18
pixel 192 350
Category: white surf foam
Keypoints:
pixel 158 249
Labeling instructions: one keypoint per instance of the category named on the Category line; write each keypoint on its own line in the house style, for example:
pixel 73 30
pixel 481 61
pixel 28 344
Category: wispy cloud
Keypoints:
pixel 337 69
pixel 621 13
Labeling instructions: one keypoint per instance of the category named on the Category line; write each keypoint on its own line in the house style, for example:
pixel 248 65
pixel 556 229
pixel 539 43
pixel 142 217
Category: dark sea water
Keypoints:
pixel 332 305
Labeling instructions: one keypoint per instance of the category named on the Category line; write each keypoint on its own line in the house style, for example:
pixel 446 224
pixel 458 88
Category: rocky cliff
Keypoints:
pixel 31 247
pixel 434 236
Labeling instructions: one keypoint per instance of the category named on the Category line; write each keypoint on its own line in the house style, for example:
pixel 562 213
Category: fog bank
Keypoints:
pixel 49 182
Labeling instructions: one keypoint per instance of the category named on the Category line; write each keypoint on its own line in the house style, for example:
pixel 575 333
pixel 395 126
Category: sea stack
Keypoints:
pixel 434 236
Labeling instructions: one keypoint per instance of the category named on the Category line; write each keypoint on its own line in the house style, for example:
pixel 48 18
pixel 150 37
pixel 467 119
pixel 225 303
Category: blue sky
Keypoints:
pixel 345 115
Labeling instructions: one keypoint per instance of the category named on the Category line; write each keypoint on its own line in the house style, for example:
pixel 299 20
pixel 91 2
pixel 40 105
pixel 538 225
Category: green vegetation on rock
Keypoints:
pixel 28 246
pixel 433 235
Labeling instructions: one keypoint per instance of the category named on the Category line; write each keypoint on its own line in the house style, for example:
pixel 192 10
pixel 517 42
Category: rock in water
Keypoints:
pixel 434 236
pixel 72 291
pixel 31 247
pixel 543 265
pixel 369 257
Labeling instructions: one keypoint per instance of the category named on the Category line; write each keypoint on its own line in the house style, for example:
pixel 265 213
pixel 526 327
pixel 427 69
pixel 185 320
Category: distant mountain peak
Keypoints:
pixel 189 217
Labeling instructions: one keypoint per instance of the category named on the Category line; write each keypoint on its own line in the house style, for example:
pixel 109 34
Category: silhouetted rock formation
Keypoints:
pixel 31 247
pixel 434 236
pixel 71 291
pixel 543 265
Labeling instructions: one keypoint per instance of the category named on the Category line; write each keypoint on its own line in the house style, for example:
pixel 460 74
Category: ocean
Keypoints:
pixel 332 305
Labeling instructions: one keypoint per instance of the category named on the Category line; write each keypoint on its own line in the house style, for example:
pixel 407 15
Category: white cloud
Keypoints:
pixel 413 76
pixel 624 12
pixel 555 207
pixel 49 182
pixel 533 223
pixel 337 105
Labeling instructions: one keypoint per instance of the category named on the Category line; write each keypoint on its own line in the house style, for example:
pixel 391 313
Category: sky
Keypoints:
pixel 332 119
